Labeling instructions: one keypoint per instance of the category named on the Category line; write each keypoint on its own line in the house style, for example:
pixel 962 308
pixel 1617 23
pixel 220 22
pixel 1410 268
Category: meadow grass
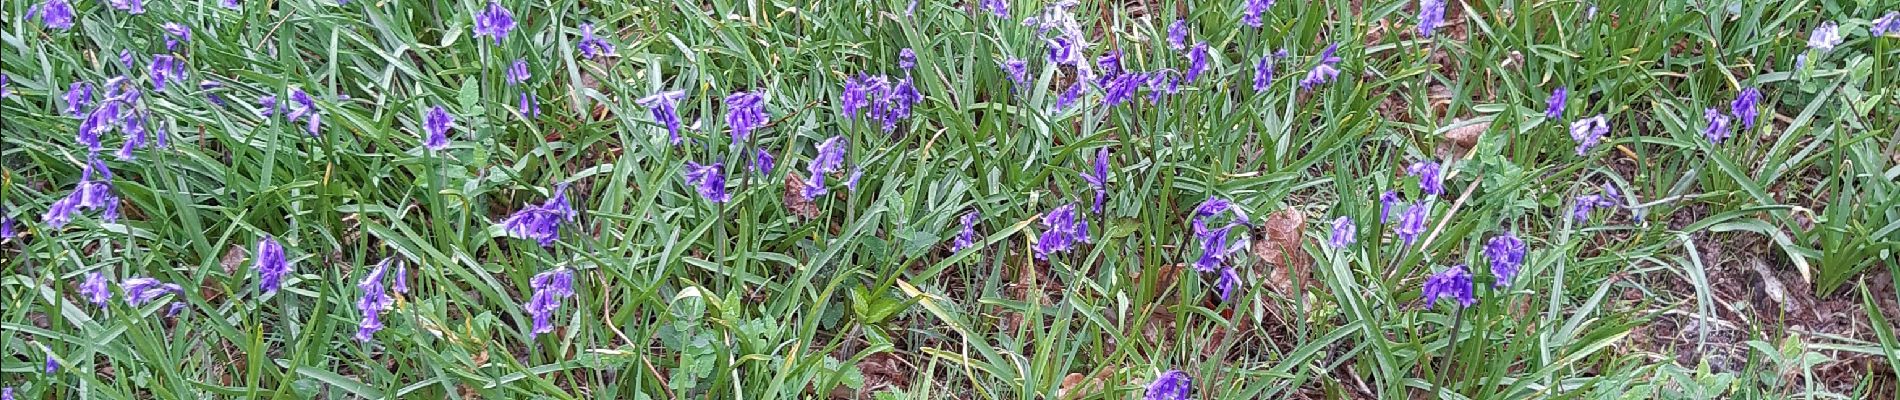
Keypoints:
pixel 1759 266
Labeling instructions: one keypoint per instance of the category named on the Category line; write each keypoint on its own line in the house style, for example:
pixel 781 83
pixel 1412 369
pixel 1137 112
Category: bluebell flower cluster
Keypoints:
pixel 966 236
pixel 134 7
pixel 1345 232
pixel 141 290
pixel 1554 106
pixel 745 112
pixel 1589 132
pixel 1170 385
pixel 1453 283
pixel 591 46
pixel 763 162
pixel 709 180
pixel 1197 62
pixel 1715 125
pixel 830 158
pixel 1177 34
pixel 1098 178
pixel 1431 13
pixel 1215 245
pixel 55 14
pixel 1744 107
pixel 1326 71
pixel 1583 205
pixel 494 22
pixel 1412 222
pixel 1064 229
pixel 1506 253
pixel 96 289
pixel 1430 178
pixel 175 33
pixel 1252 10
pixel 93 192
pixel 1017 69
pixel 271 264
pixel 881 98
pixel 549 288
pixel 375 300
pixel 665 109
pixel 541 223
pixel 436 123
pixel 1886 25
pixel 1825 37
pixel 1263 74
pixel 999 8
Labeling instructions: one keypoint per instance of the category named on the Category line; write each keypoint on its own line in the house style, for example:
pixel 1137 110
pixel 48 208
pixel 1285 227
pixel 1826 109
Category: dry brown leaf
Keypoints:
pixel 794 198
pixel 234 258
pixel 1278 244
pixel 1466 136
pixel 1077 386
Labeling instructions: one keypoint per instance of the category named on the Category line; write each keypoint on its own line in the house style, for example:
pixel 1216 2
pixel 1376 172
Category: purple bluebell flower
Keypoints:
pixel 1588 132
pixel 267 106
pixel 709 179
pixel 6 227
pixel 858 93
pixel 1429 178
pixel 1263 74
pixel 1062 50
pixel 166 69
pixel 174 309
pixel 55 14
pixel 93 191
pixel 1065 230
pixel 1554 106
pixel 175 33
pixel 549 288
pixel 1197 61
pixel 142 290
pixel 1888 24
pixel 1208 208
pixel 517 72
pixel 528 104
pixel 967 236
pixel 401 283
pixel 1098 179
pixel 1412 222
pixel 97 123
pixel 1213 248
pixel 374 301
pixel 436 123
pixel 745 112
pixel 1825 37
pixel 79 98
pixel 1431 13
pixel 910 9
pixel 208 87
pixel 541 223
pixel 830 158
pixel 271 264
pixel 1162 82
pixel 591 46
pixel 1326 71
pixel 1018 70
pixel 494 22
pixel 1214 241
pixel 1069 96
pixel 906 59
pixel 1454 283
pixel 1506 253
pixel 1744 107
pixel 896 104
pixel 231 4
pixel 134 7
pixel 1583 205
pixel 1110 64
pixel 664 105
pixel 1228 281
pixel 4 82
pixel 303 107
pixel 95 289
pixel 1171 385
pixel 1717 125
pixel 999 8
pixel 1177 34
pixel 851 180
pixel 763 162
pixel 1344 232
pixel 1800 60
pixel 1121 89
pixel 52 365
pixel 1252 11
pixel 6 393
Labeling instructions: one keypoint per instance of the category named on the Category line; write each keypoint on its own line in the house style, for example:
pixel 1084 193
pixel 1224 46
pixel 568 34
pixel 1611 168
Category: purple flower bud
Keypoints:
pixel 52 365
pixel 1110 65
pixel 175 33
pixel 745 112
pixel 271 264
pixel 1069 96
pixel 1554 106
pixel 591 46
pixel 94 289
pixel 1253 10
pixel 709 179
pixel 141 290
pixel 1588 132
pixel 528 105
pixel 1744 107
pixel 166 68
pixel 1197 61
pixel 518 72
pixel 401 283
pixel 1344 232
pixel 1228 281
pixel 494 22
pixel 1429 178
pixel 231 4
pixel 55 14
pixel 1099 178
pixel 1326 71
pixel 1177 34
pixel 79 98
pixel 1506 253
pixel 1888 24
pixel 1171 385
pixel 1018 71
pixel 830 158
pixel 1717 125
pixel 549 288
pixel 1431 13
pixel 763 162
pixel 1412 222
pixel 1453 282
pixel 436 122
pixel 134 7
pixel 906 59
pixel 851 180
pixel 1121 89
pixel 967 236
pixel 999 8
pixel 1825 37
pixel 6 227
pixel 1263 74
pixel 374 301
pixel 664 108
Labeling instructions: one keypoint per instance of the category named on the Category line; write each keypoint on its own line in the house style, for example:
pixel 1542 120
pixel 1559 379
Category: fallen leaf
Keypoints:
pixel 794 198
pixel 1467 136
pixel 1278 245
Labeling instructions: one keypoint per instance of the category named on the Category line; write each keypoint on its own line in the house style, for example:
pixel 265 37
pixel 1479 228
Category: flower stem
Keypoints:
pixel 1457 317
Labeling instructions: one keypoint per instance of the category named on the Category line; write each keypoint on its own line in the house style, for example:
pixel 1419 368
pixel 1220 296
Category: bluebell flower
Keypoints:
pixel 763 162
pixel 1588 132
pixel 1431 13
pixel 142 290
pixel 591 46
pixel 517 72
pixel 401 283
pixel 55 14
pixel 1252 10
pixel 1069 96
pixel 745 112
pixel 1744 107
pixel 1171 385
pixel 1429 178
pixel 1506 253
pixel 6 226
pixel 93 191
pixel 6 393
pixel 4 83
pixel 1018 70
pixel 1454 283
pixel 1121 89
pixel 664 105
pixel 858 93
pixel 208 87
pixel 494 22
pixel 709 180
pixel 436 123
pixel 1177 34
pixel 1162 82
pixel 175 33
pixel 1326 71
pixel 1554 106
pixel 1344 232
pixel 1197 61
pixel 1214 241
pixel 1110 64
pixel 97 123
pixel 1412 222
pixel 1213 249
pixel 134 7
pixel 1888 24
pixel 1065 230
pixel 541 223
pixel 231 4
pixel 999 8
pixel 271 264
pixel 79 98
pixel 1825 37
pixel 52 365
pixel 851 180
pixel 374 301
pixel 1228 281
pixel 896 104
pixel 267 106
pixel 906 59
pixel 549 288
pixel 1263 74
pixel 830 158
pixel 1716 128
pixel 966 237
pixel 1062 50
pixel 95 289
pixel 1098 179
